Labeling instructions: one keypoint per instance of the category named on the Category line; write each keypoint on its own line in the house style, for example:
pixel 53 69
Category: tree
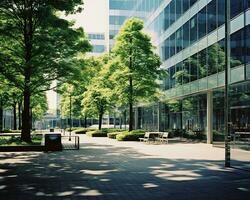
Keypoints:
pixel 39 106
pixel 140 66
pixel 72 91
pixel 98 97
pixel 37 47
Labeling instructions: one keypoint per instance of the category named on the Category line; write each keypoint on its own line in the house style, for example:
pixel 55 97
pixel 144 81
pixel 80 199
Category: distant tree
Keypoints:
pixel 37 47
pixel 139 66
pixel 98 97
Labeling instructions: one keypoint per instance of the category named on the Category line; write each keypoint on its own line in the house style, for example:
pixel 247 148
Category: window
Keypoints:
pixel 178 8
pixel 221 56
pixel 98 48
pixel 179 39
pixel 247 39
pixel 166 17
pixel 185 5
pixel 186 72
pixel 167 49
pixel 202 64
pixel 211 16
pixel 171 75
pixel 117 20
pixel 192 2
pixel 202 19
pixel 172 45
pixel 212 59
pixel 193 67
pixel 237 48
pixel 186 35
pixel 221 12
pixel 237 7
pixel 193 29
pixel 172 12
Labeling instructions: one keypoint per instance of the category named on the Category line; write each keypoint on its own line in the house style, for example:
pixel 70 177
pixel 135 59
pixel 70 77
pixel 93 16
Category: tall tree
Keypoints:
pixel 98 97
pixel 140 66
pixel 37 47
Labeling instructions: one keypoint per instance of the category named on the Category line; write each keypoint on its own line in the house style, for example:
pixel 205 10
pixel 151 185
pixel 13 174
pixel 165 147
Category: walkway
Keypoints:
pixel 107 169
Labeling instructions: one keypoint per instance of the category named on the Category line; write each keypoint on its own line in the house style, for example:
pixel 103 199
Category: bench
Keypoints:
pixel 161 137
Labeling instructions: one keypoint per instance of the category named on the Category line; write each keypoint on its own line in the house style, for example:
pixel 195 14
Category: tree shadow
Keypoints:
pixel 109 172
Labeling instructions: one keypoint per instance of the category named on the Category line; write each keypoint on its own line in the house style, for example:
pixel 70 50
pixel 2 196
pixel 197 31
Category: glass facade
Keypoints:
pixel 190 40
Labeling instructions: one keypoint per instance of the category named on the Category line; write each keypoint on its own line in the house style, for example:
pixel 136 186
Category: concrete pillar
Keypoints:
pixel 209 117
pixel 136 118
pixel 159 117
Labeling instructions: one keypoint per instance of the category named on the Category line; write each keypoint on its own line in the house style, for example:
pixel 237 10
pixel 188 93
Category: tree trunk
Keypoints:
pixel 1 115
pixel 131 117
pixel 85 122
pixel 19 116
pixel 25 135
pixel 14 115
pixel 100 120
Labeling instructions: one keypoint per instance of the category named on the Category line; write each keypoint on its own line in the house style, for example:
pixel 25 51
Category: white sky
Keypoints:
pixel 94 18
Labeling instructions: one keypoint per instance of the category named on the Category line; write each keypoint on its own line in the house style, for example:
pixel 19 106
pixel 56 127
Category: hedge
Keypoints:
pixel 130 136
pixel 113 134
pixel 97 133
pixel 84 130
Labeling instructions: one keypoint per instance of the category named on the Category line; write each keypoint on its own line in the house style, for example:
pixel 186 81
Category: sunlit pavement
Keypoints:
pixel 106 169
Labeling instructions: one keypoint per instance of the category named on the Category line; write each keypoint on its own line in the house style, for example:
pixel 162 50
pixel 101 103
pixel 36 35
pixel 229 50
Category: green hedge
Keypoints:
pixel 130 136
pixel 97 133
pixel 10 131
pixel 84 130
pixel 112 130
pixel 113 134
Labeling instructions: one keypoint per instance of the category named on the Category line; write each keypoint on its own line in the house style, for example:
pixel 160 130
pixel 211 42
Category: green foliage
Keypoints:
pixel 83 130
pixel 113 135
pixel 135 77
pixel 37 47
pixel 16 141
pixel 97 133
pixel 130 136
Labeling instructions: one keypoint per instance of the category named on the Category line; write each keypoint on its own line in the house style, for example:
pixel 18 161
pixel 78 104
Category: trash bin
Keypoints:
pixel 53 142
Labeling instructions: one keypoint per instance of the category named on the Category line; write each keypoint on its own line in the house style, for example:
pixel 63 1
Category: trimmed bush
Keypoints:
pixel 97 133
pixel 10 131
pixel 113 135
pixel 112 130
pixel 84 130
pixel 130 136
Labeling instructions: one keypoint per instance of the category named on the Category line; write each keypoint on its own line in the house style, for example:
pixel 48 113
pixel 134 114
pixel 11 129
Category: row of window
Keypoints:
pixel 117 20
pixel 204 22
pixel 136 5
pixel 96 36
pixel 210 60
pixel 98 48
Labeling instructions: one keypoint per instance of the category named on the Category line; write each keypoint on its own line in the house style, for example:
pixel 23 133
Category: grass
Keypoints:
pixel 16 141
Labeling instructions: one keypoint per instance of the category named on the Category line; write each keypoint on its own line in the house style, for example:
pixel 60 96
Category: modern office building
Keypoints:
pixel 190 38
pixel 99 43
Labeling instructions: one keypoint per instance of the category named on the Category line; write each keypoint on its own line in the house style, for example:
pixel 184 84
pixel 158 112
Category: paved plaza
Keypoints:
pixel 107 169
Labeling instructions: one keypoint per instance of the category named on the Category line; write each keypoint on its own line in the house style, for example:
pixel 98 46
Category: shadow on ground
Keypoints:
pixel 108 172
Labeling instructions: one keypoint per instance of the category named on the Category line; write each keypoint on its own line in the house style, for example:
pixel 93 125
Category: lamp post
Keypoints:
pixel 70 118
pixel 227 83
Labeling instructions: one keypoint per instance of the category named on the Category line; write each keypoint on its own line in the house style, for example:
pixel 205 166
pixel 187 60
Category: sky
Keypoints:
pixel 94 18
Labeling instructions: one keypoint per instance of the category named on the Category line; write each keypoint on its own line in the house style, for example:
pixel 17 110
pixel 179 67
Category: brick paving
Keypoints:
pixel 107 169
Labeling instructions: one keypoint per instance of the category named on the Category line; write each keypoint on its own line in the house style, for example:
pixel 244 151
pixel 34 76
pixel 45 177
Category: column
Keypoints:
pixel 209 117
pixel 136 118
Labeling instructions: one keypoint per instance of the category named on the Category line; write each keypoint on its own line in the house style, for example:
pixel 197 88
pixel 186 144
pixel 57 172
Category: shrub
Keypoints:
pixel 112 130
pixel 83 130
pixel 114 134
pixel 130 136
pixel 10 131
pixel 97 133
